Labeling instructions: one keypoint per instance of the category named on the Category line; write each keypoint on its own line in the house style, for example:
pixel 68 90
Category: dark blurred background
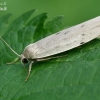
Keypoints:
pixel 74 11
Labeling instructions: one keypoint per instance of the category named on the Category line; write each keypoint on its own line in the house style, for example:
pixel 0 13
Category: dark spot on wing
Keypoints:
pixel 82 42
pixel 66 32
pixel 83 34
pixel 82 25
pixel 57 33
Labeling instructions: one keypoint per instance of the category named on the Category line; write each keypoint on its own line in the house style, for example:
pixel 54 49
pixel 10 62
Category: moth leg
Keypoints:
pixel 16 60
pixel 48 58
pixel 30 66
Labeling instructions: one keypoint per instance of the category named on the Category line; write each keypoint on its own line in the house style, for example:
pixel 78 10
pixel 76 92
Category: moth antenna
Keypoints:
pixel 9 47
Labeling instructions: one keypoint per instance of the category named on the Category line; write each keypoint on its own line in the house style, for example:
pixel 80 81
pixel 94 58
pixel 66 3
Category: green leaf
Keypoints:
pixel 38 22
pixel 72 77
pixel 4 23
pixel 55 24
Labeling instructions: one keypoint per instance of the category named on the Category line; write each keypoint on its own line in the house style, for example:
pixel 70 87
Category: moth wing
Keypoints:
pixel 64 40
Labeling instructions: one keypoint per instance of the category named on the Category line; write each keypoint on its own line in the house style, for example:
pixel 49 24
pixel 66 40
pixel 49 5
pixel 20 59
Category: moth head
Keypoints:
pixel 24 60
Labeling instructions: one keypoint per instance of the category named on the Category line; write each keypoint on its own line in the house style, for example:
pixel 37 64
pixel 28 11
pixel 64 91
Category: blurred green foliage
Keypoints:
pixel 75 11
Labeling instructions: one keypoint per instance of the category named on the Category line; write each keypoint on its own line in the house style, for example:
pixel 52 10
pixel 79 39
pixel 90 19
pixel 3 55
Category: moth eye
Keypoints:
pixel 24 60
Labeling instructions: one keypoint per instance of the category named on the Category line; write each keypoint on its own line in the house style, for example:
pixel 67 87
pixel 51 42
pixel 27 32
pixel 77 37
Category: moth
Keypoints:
pixel 59 42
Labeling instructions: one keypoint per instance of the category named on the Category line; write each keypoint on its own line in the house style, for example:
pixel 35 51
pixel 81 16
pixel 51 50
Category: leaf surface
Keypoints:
pixel 72 77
